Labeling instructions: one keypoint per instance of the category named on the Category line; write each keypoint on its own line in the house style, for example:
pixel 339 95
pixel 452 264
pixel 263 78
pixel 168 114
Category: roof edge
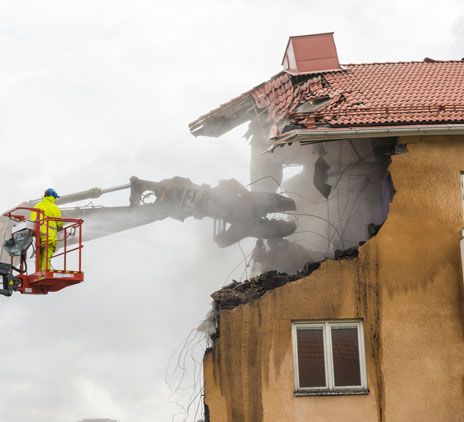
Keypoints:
pixel 404 62
pixel 309 136
pixel 204 117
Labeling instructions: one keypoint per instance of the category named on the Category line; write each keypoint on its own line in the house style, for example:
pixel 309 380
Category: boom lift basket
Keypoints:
pixel 24 234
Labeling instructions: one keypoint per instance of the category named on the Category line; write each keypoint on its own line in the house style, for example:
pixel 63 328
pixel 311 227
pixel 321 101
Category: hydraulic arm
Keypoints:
pixel 236 211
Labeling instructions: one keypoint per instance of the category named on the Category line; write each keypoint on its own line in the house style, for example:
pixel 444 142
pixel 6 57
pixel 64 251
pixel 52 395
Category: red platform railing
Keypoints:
pixel 69 225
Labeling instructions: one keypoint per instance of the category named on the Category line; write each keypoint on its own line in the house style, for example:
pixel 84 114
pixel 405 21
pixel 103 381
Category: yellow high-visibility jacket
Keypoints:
pixel 51 210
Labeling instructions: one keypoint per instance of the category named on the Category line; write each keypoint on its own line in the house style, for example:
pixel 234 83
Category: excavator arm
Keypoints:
pixel 237 212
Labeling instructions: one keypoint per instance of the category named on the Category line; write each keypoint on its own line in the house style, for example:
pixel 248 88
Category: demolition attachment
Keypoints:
pixel 237 212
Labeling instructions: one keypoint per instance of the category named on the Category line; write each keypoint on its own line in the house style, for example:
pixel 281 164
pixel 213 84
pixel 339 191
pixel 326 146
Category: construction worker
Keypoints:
pixel 47 205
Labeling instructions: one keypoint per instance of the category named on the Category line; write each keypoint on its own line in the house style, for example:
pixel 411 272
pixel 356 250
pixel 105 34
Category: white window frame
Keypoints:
pixel 328 355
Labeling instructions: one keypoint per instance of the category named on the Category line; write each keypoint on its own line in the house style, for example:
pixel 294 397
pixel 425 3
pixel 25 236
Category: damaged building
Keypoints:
pixel 357 315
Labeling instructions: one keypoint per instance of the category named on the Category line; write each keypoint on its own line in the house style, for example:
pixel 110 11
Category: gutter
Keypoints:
pixel 314 136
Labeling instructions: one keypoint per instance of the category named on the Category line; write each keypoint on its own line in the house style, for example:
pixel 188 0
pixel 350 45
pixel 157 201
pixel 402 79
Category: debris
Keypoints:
pixel 240 293
pixel 320 177
pixel 235 293
pixel 290 127
pixel 373 229
pixel 309 267
pixel 347 253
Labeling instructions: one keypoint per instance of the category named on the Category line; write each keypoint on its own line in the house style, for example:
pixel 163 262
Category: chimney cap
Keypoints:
pixel 313 53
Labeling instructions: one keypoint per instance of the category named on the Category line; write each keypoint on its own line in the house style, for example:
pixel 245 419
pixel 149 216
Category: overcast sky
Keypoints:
pixel 93 92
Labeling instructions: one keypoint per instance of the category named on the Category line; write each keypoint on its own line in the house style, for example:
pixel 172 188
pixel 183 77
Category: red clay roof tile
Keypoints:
pixel 367 94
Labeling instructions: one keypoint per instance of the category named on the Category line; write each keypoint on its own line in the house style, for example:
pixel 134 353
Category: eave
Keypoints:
pixel 311 136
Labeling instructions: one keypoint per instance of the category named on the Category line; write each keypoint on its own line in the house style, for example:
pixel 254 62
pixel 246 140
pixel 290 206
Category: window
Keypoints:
pixel 329 358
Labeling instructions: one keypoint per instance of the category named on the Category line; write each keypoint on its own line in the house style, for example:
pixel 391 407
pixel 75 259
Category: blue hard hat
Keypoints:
pixel 51 192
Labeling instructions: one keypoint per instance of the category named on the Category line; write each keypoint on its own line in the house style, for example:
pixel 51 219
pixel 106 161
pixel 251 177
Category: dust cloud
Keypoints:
pixel 341 190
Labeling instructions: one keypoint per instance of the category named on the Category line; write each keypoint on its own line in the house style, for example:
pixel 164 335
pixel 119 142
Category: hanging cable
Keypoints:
pixel 315 216
pixel 265 177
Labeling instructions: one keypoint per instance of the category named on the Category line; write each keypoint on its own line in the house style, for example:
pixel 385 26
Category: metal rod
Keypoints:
pixel 116 188
pixel 37 240
pixel 46 248
pixel 79 196
pixel 70 250
pixel 88 194
pixel 65 244
pixel 80 247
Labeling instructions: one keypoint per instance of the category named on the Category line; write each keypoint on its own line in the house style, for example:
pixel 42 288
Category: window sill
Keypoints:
pixel 302 393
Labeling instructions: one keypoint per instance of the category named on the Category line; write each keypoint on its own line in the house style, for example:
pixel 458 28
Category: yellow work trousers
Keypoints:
pixel 43 255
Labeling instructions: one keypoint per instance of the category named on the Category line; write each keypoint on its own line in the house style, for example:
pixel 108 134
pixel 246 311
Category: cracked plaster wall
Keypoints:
pixel 406 284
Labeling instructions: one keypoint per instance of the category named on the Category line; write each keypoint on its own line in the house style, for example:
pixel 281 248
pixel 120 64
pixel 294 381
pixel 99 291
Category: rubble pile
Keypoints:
pixel 347 253
pixel 235 293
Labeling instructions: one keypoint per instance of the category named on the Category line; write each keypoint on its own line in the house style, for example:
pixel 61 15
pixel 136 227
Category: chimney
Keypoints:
pixel 311 54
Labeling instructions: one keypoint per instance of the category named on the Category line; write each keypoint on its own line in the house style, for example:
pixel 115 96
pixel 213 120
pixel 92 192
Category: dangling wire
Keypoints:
pixel 185 357
pixel 244 261
pixel 316 216
pixel 238 265
pixel 33 251
pixel 266 177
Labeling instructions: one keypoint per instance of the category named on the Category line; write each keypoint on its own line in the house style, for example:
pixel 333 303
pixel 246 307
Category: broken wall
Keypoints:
pixel 341 190
pixel 406 285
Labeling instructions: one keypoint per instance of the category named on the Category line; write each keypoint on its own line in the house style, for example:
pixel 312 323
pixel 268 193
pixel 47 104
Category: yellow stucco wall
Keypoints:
pixel 406 285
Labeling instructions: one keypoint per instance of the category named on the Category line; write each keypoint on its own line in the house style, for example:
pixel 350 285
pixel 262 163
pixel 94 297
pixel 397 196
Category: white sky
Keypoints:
pixel 93 92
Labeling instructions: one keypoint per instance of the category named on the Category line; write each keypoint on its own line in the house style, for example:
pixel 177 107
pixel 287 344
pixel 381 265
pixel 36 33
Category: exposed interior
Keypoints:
pixel 342 190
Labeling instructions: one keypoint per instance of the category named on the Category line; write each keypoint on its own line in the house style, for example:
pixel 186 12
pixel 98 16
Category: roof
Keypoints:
pixel 401 93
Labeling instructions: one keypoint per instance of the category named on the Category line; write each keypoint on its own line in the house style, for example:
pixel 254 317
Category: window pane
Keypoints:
pixel 311 366
pixel 346 356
